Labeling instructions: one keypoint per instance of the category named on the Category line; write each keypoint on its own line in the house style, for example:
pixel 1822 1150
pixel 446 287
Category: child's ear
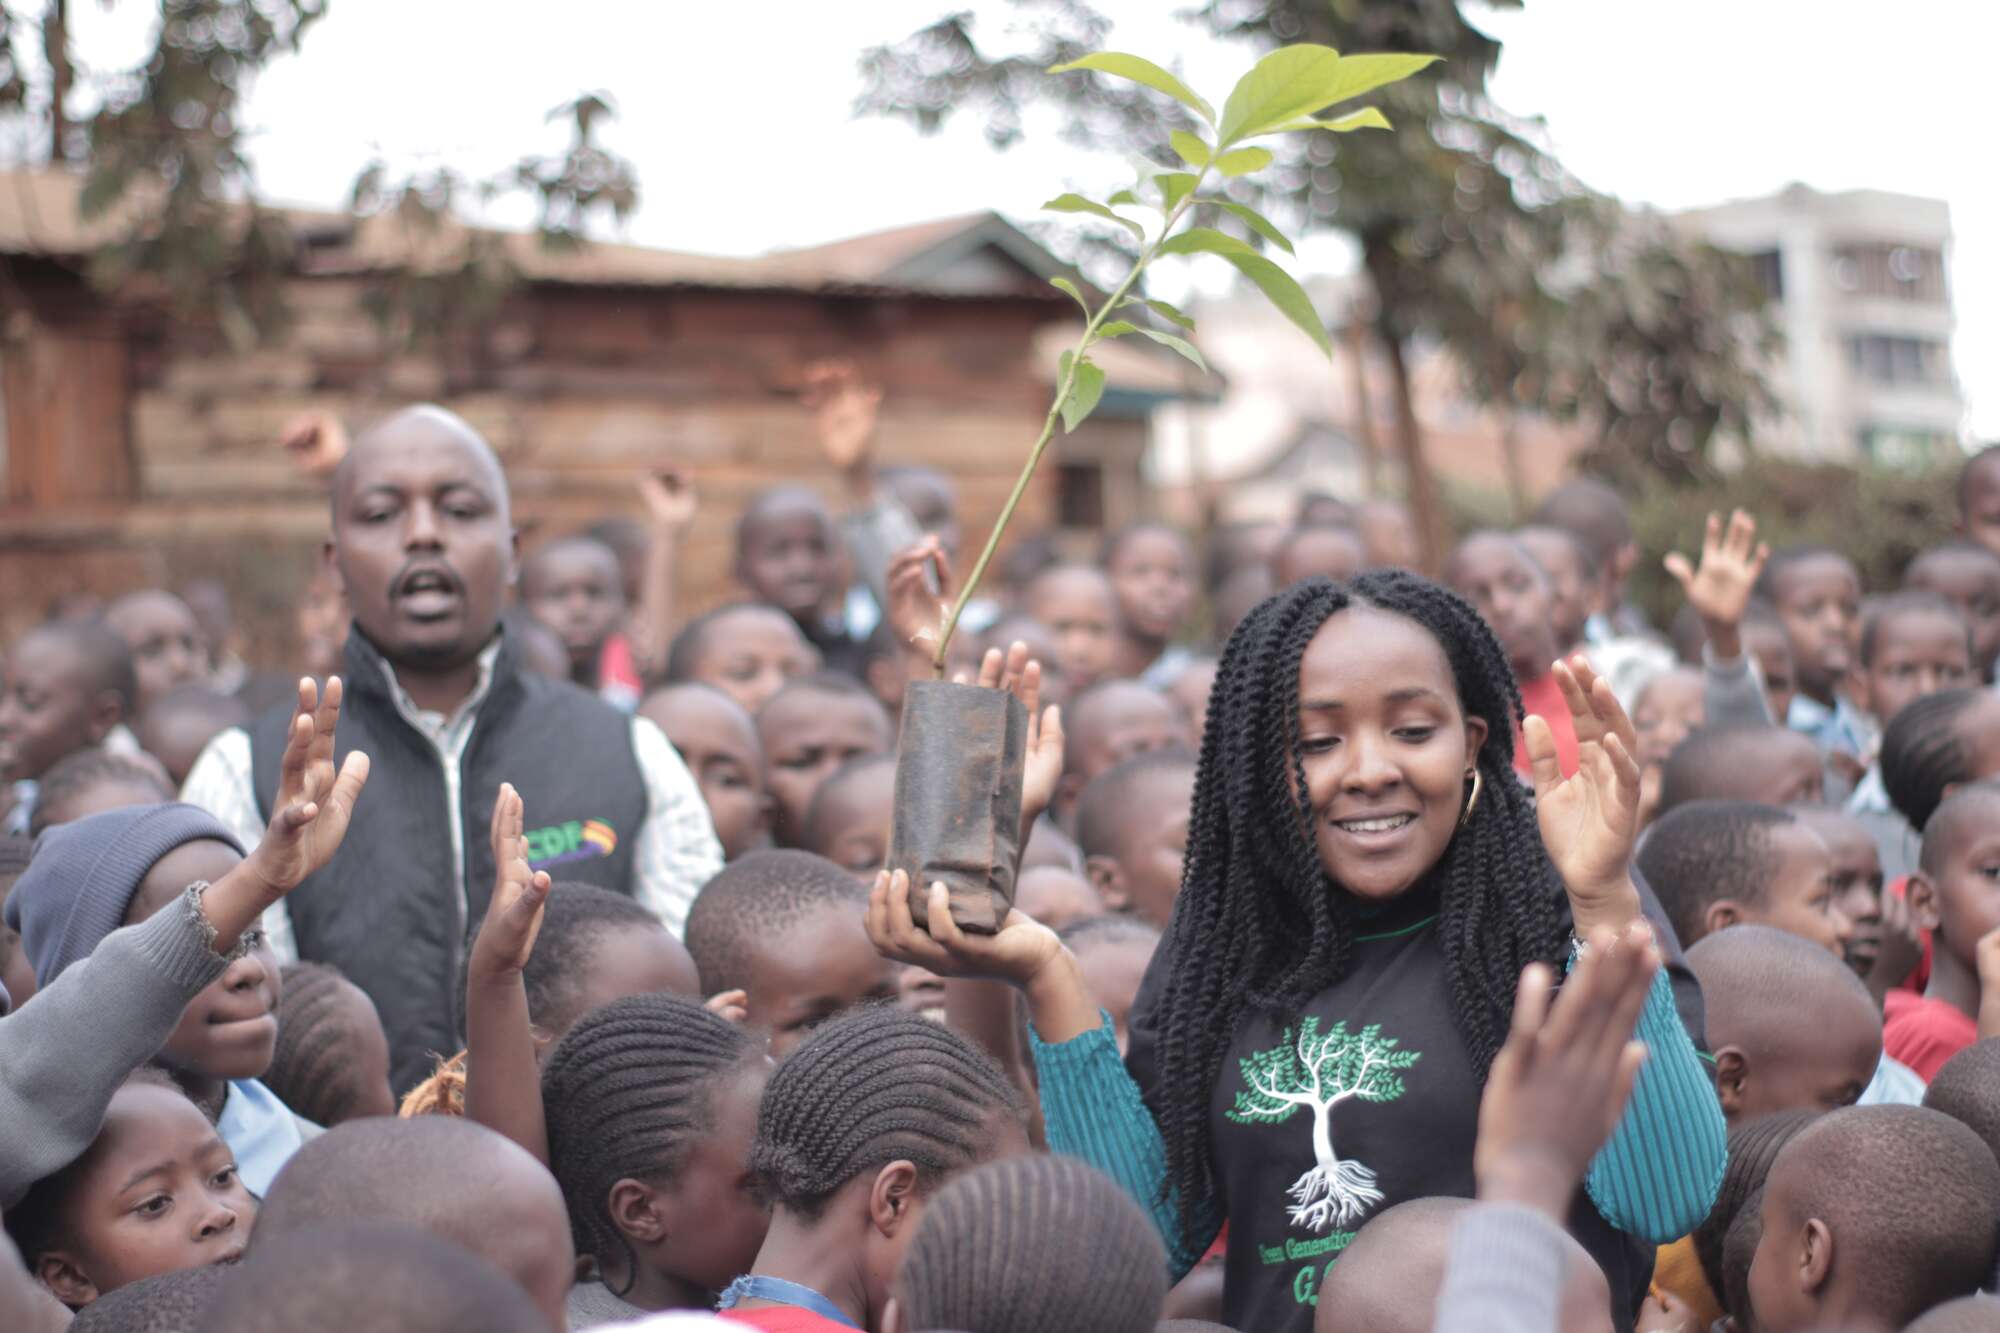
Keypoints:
pixel 106 711
pixel 60 1273
pixel 1732 1071
pixel 893 1199
pixel 1815 1256
pixel 1721 915
pixel 1068 788
pixel 1622 566
pixel 636 1211
pixel 1923 899
pixel 1109 881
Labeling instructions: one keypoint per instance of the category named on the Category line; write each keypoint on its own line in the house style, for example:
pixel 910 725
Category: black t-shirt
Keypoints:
pixel 1365 1098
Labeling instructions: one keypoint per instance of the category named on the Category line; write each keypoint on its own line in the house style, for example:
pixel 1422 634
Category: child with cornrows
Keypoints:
pixel 1365 881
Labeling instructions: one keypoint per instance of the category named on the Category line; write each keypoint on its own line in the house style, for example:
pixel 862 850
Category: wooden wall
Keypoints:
pixel 580 390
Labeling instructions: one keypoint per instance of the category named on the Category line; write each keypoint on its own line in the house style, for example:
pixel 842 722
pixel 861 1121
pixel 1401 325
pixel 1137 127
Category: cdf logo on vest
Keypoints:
pixel 577 840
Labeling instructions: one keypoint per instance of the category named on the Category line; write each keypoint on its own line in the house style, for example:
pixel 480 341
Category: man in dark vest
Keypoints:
pixel 424 546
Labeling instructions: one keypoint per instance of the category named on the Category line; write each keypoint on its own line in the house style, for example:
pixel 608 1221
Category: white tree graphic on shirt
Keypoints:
pixel 1321 1072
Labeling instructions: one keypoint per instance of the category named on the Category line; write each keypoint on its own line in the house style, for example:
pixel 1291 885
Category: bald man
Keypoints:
pixel 423 546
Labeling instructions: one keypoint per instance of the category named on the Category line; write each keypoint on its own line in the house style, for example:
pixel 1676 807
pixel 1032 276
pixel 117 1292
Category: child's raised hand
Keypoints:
pixel 1017 954
pixel 314 802
pixel 844 409
pixel 1719 590
pixel 1901 949
pixel 1559 1085
pixel 730 1005
pixel 1021 677
pixel 670 499
pixel 1664 1312
pixel 917 604
pixel 514 915
pixel 1589 819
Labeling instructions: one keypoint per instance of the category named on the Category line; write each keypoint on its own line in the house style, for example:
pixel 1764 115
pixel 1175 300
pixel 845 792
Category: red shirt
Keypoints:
pixel 1924 1033
pixel 1544 699
pixel 785 1319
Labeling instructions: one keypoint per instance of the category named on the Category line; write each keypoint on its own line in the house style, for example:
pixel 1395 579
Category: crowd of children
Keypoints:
pixel 1384 953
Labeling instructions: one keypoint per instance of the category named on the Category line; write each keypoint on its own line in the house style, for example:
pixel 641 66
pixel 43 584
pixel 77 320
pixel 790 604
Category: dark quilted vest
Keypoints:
pixel 385 910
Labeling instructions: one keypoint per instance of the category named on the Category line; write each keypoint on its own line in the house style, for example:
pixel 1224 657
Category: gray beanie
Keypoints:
pixel 80 881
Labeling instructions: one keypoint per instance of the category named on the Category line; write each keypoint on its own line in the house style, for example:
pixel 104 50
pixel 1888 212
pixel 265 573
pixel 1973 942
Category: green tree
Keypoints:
pixel 1319 1073
pixel 162 151
pixel 1460 213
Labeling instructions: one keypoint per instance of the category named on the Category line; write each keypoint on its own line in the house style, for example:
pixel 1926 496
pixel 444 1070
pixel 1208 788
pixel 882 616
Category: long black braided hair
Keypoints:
pixel 1258 925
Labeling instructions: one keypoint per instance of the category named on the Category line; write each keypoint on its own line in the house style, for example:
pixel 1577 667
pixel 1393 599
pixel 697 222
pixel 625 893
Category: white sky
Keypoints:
pixel 744 140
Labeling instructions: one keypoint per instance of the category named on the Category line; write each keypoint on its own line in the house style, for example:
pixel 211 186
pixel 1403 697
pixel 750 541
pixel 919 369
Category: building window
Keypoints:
pixel 1911 449
pixel 1080 495
pixel 1894 272
pixel 1769 266
pixel 1888 359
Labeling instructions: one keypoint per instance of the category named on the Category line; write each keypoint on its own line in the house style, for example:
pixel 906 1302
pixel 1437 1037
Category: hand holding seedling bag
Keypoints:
pixel 960 761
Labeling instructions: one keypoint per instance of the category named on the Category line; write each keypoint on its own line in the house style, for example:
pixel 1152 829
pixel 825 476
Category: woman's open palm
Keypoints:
pixel 1589 819
pixel 1022 948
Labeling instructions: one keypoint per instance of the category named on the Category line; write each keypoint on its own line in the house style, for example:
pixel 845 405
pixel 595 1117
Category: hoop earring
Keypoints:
pixel 1473 801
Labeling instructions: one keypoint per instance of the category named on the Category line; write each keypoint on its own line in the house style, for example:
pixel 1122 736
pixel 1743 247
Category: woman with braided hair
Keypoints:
pixel 1365 881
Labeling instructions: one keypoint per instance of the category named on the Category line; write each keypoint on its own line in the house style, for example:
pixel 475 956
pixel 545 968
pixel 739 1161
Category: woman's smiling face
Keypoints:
pixel 1387 749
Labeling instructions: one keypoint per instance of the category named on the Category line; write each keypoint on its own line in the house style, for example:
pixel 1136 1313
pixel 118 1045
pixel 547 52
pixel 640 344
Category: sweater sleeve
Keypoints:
pixel 1658 1175
pixel 1092 1110
pixel 64 1052
pixel 1732 692
pixel 1503 1273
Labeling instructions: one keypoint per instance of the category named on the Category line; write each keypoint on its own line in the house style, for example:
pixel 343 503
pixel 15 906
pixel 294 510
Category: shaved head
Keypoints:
pixel 1388 1279
pixel 424 425
pixel 443 1175
pixel 1755 982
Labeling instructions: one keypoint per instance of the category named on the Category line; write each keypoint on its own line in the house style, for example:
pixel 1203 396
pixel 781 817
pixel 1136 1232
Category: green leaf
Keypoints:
pixel 1204 240
pixel 1181 345
pixel 1255 221
pixel 1076 203
pixel 1368 118
pixel 1084 391
pixel 1243 161
pixel 1194 149
pixel 1118 328
pixel 1141 70
pixel 1174 187
pixel 1295 81
pixel 1123 197
pixel 1284 293
pixel 1064 284
pixel 1163 309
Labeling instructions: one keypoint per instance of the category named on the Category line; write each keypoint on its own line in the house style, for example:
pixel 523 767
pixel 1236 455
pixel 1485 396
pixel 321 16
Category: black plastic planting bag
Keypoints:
pixel 958 799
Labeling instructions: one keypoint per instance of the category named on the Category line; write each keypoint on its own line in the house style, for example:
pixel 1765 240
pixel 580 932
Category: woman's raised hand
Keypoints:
pixel 1591 818
pixel 1022 949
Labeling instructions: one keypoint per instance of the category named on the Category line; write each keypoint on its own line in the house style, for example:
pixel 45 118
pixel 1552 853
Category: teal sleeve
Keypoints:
pixel 1658 1175
pixel 1091 1109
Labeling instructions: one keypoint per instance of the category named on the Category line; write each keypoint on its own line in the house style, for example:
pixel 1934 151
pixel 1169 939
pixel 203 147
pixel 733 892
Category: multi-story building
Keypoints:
pixel 1859 280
